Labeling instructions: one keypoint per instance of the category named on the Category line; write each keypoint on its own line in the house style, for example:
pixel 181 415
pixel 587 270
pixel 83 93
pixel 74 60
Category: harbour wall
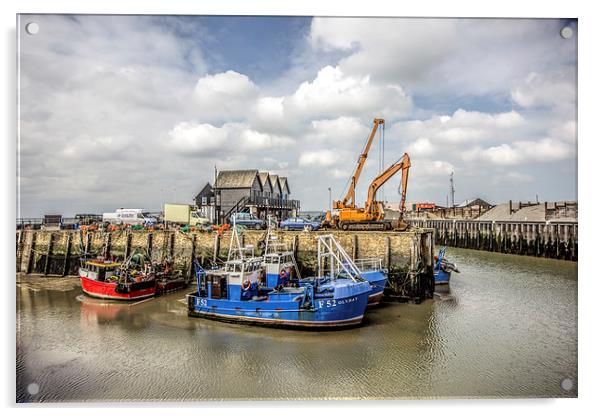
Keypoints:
pixel 408 255
pixel 551 239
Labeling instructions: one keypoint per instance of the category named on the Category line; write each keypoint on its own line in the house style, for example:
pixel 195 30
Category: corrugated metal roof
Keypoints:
pixel 236 178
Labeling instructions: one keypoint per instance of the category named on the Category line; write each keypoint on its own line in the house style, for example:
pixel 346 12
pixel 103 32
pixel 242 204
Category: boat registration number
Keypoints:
pixel 331 303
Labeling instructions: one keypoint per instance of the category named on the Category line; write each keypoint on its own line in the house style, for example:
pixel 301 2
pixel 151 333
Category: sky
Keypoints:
pixel 136 111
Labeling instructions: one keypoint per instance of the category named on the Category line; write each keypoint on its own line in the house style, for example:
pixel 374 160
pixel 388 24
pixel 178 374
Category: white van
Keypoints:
pixel 131 216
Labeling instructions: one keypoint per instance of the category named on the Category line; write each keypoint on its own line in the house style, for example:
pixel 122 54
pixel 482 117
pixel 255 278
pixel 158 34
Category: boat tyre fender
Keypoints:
pixel 246 285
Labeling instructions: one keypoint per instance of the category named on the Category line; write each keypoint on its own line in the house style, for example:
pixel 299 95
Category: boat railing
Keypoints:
pixel 369 264
pixel 333 258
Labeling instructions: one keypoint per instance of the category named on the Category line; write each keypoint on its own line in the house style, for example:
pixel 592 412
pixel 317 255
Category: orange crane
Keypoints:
pixel 372 215
pixel 349 200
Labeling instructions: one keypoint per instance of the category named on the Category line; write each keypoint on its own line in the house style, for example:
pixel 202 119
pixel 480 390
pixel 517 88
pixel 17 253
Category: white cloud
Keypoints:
pixel 544 150
pixel 461 127
pixel 556 90
pixel 513 178
pixel 319 158
pixel 225 96
pixel 443 56
pixel 203 139
pixel 421 147
pixel 333 93
pixel 337 131
pixel 390 48
pixel 198 139
pixel 270 109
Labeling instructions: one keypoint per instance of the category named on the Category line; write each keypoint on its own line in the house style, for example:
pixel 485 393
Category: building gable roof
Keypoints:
pixel 207 191
pixel 474 201
pixel 265 182
pixel 275 184
pixel 284 184
pixel 236 179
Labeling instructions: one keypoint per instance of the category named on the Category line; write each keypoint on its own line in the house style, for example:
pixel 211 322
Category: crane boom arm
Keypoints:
pixel 360 164
pixel 402 164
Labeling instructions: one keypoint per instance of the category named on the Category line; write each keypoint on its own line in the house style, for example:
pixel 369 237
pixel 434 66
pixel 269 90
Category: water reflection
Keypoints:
pixel 504 328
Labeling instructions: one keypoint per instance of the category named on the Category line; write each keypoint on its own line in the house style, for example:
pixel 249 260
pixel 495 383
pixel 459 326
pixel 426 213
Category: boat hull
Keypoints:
pixel 378 280
pixel 327 313
pixel 107 290
pixel 442 277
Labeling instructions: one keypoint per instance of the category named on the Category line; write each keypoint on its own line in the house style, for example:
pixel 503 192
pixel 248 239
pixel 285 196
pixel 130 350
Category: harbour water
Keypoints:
pixel 507 328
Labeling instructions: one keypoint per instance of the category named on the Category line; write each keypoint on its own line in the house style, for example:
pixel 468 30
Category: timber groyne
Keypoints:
pixel 408 255
pixel 550 239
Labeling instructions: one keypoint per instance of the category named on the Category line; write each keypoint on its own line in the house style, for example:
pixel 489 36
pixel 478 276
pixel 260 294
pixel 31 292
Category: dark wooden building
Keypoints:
pixel 259 193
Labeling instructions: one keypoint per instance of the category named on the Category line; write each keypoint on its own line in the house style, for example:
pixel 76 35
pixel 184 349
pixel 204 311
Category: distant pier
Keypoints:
pixel 551 239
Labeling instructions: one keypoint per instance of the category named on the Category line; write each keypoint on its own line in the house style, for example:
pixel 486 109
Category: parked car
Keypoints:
pixel 296 223
pixel 247 220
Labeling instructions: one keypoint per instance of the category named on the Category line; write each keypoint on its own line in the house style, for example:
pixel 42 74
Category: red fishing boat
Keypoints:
pixel 107 279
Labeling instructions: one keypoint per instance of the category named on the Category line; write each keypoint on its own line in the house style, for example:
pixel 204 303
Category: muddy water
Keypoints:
pixel 507 328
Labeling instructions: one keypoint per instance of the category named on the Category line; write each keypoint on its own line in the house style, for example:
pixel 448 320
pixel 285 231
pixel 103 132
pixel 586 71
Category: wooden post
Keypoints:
pixel 354 247
pixel 128 245
pixel 67 255
pixel 192 256
pixel 149 244
pixel 32 253
pixel 88 242
pixel 216 243
pixel 296 246
pixel 172 243
pixel 108 248
pixel 48 254
pixel 19 249
pixel 388 252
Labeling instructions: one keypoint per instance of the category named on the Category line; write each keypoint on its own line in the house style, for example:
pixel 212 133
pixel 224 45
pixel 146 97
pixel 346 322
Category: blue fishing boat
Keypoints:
pixel 443 268
pixel 373 271
pixel 241 293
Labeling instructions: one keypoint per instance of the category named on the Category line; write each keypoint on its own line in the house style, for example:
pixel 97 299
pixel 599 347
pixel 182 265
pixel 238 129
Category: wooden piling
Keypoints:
pixel 296 246
pixel 88 243
pixel 32 253
pixel 172 244
pixel 149 244
pixel 216 243
pixel 48 254
pixel 192 256
pixel 128 245
pixel 354 247
pixel 67 255
pixel 388 252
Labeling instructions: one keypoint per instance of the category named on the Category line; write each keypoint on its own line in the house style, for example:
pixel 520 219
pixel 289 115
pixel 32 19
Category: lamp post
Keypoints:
pixel 329 198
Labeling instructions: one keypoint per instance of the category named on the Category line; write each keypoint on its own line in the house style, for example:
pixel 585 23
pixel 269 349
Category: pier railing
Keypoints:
pixel 553 238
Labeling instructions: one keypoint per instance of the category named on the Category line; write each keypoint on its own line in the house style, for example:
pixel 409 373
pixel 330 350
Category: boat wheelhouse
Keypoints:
pixel 279 261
